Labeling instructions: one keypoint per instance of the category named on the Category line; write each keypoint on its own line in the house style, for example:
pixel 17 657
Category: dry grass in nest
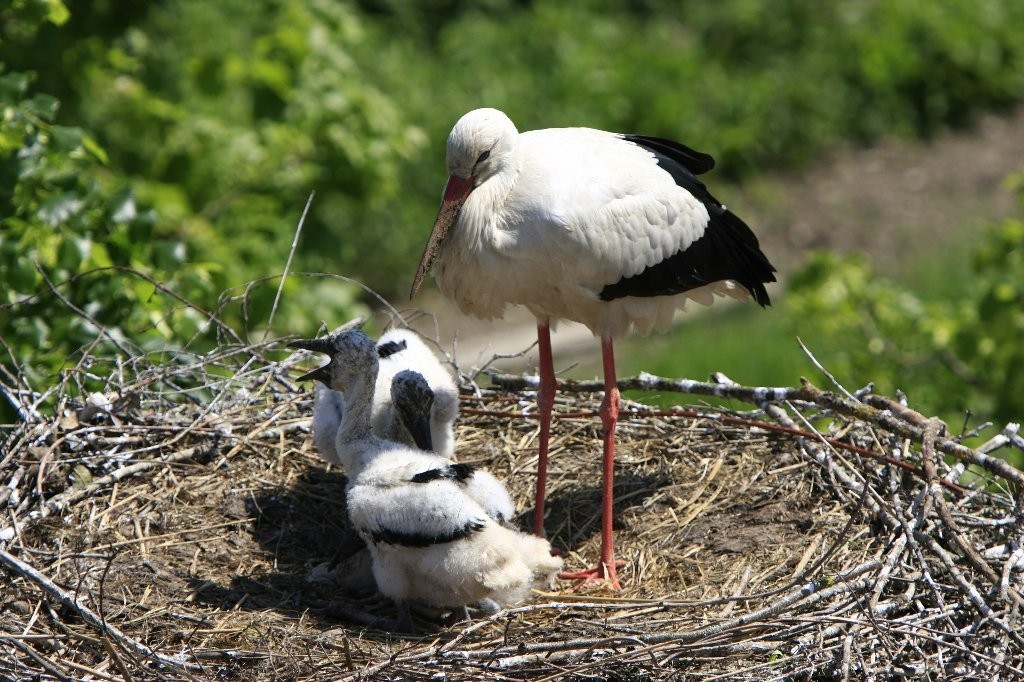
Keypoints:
pixel 173 534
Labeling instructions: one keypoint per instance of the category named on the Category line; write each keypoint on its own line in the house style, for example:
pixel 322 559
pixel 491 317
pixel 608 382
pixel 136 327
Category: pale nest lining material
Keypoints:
pixel 175 531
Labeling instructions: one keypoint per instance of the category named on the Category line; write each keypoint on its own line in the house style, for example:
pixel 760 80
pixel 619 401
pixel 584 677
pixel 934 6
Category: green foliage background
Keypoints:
pixel 169 146
pixel 953 355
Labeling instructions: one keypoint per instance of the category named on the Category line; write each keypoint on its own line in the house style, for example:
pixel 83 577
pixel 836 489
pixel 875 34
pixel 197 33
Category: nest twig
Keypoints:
pixel 178 525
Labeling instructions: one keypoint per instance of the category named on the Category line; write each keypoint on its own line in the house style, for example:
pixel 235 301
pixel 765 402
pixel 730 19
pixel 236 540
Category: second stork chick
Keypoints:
pixel 431 429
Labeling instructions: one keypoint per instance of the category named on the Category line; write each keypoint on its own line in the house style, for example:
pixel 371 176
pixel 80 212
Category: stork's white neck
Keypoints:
pixel 476 227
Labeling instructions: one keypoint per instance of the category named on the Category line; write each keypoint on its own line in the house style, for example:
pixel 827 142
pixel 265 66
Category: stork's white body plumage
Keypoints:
pixel 556 216
pixel 613 231
pixel 431 541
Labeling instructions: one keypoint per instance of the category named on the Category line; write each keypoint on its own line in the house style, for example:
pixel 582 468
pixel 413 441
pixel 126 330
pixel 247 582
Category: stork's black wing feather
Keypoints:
pixel 694 161
pixel 728 249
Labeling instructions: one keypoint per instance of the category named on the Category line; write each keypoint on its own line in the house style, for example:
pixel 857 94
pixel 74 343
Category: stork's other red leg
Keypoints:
pixel 545 404
pixel 610 418
pixel 605 570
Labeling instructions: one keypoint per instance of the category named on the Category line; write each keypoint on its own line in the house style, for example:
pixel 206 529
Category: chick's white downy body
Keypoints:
pixel 401 350
pixel 434 544
pixel 415 407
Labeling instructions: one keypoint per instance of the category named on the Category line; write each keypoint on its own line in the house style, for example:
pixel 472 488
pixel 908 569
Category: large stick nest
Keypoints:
pixel 179 525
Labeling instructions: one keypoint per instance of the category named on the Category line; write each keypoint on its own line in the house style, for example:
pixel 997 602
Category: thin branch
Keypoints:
pixel 288 264
pixel 821 368
pixel 159 286
pixel 78 311
pixel 807 393
pixel 651 383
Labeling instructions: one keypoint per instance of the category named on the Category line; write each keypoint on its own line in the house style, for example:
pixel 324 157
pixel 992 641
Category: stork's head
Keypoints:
pixel 353 356
pixel 480 146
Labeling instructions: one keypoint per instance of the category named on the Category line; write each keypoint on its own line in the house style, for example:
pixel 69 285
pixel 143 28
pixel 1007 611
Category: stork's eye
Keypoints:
pixel 483 157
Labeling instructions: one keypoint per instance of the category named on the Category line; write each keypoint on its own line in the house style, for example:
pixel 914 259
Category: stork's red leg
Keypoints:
pixel 545 404
pixel 610 418
pixel 605 570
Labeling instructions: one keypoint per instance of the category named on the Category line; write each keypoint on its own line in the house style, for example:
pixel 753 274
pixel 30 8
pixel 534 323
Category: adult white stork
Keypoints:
pixel 610 230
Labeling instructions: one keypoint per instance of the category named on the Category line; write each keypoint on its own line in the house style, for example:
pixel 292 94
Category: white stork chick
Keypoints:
pixel 432 543
pixel 414 401
pixel 415 414
pixel 410 417
pixel 413 419
pixel 404 349
pixel 612 231
pixel 399 350
pixel 429 540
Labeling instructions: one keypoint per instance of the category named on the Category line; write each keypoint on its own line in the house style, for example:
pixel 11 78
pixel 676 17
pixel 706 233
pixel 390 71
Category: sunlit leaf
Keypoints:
pixel 57 13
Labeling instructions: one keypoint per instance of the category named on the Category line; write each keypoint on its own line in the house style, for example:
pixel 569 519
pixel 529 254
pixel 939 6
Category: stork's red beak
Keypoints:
pixel 455 194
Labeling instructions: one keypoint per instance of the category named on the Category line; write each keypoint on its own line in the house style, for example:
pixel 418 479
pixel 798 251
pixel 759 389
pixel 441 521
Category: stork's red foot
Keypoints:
pixel 602 573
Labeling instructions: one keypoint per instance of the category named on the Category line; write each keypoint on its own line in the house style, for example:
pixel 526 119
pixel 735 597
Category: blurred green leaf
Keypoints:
pixel 950 355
